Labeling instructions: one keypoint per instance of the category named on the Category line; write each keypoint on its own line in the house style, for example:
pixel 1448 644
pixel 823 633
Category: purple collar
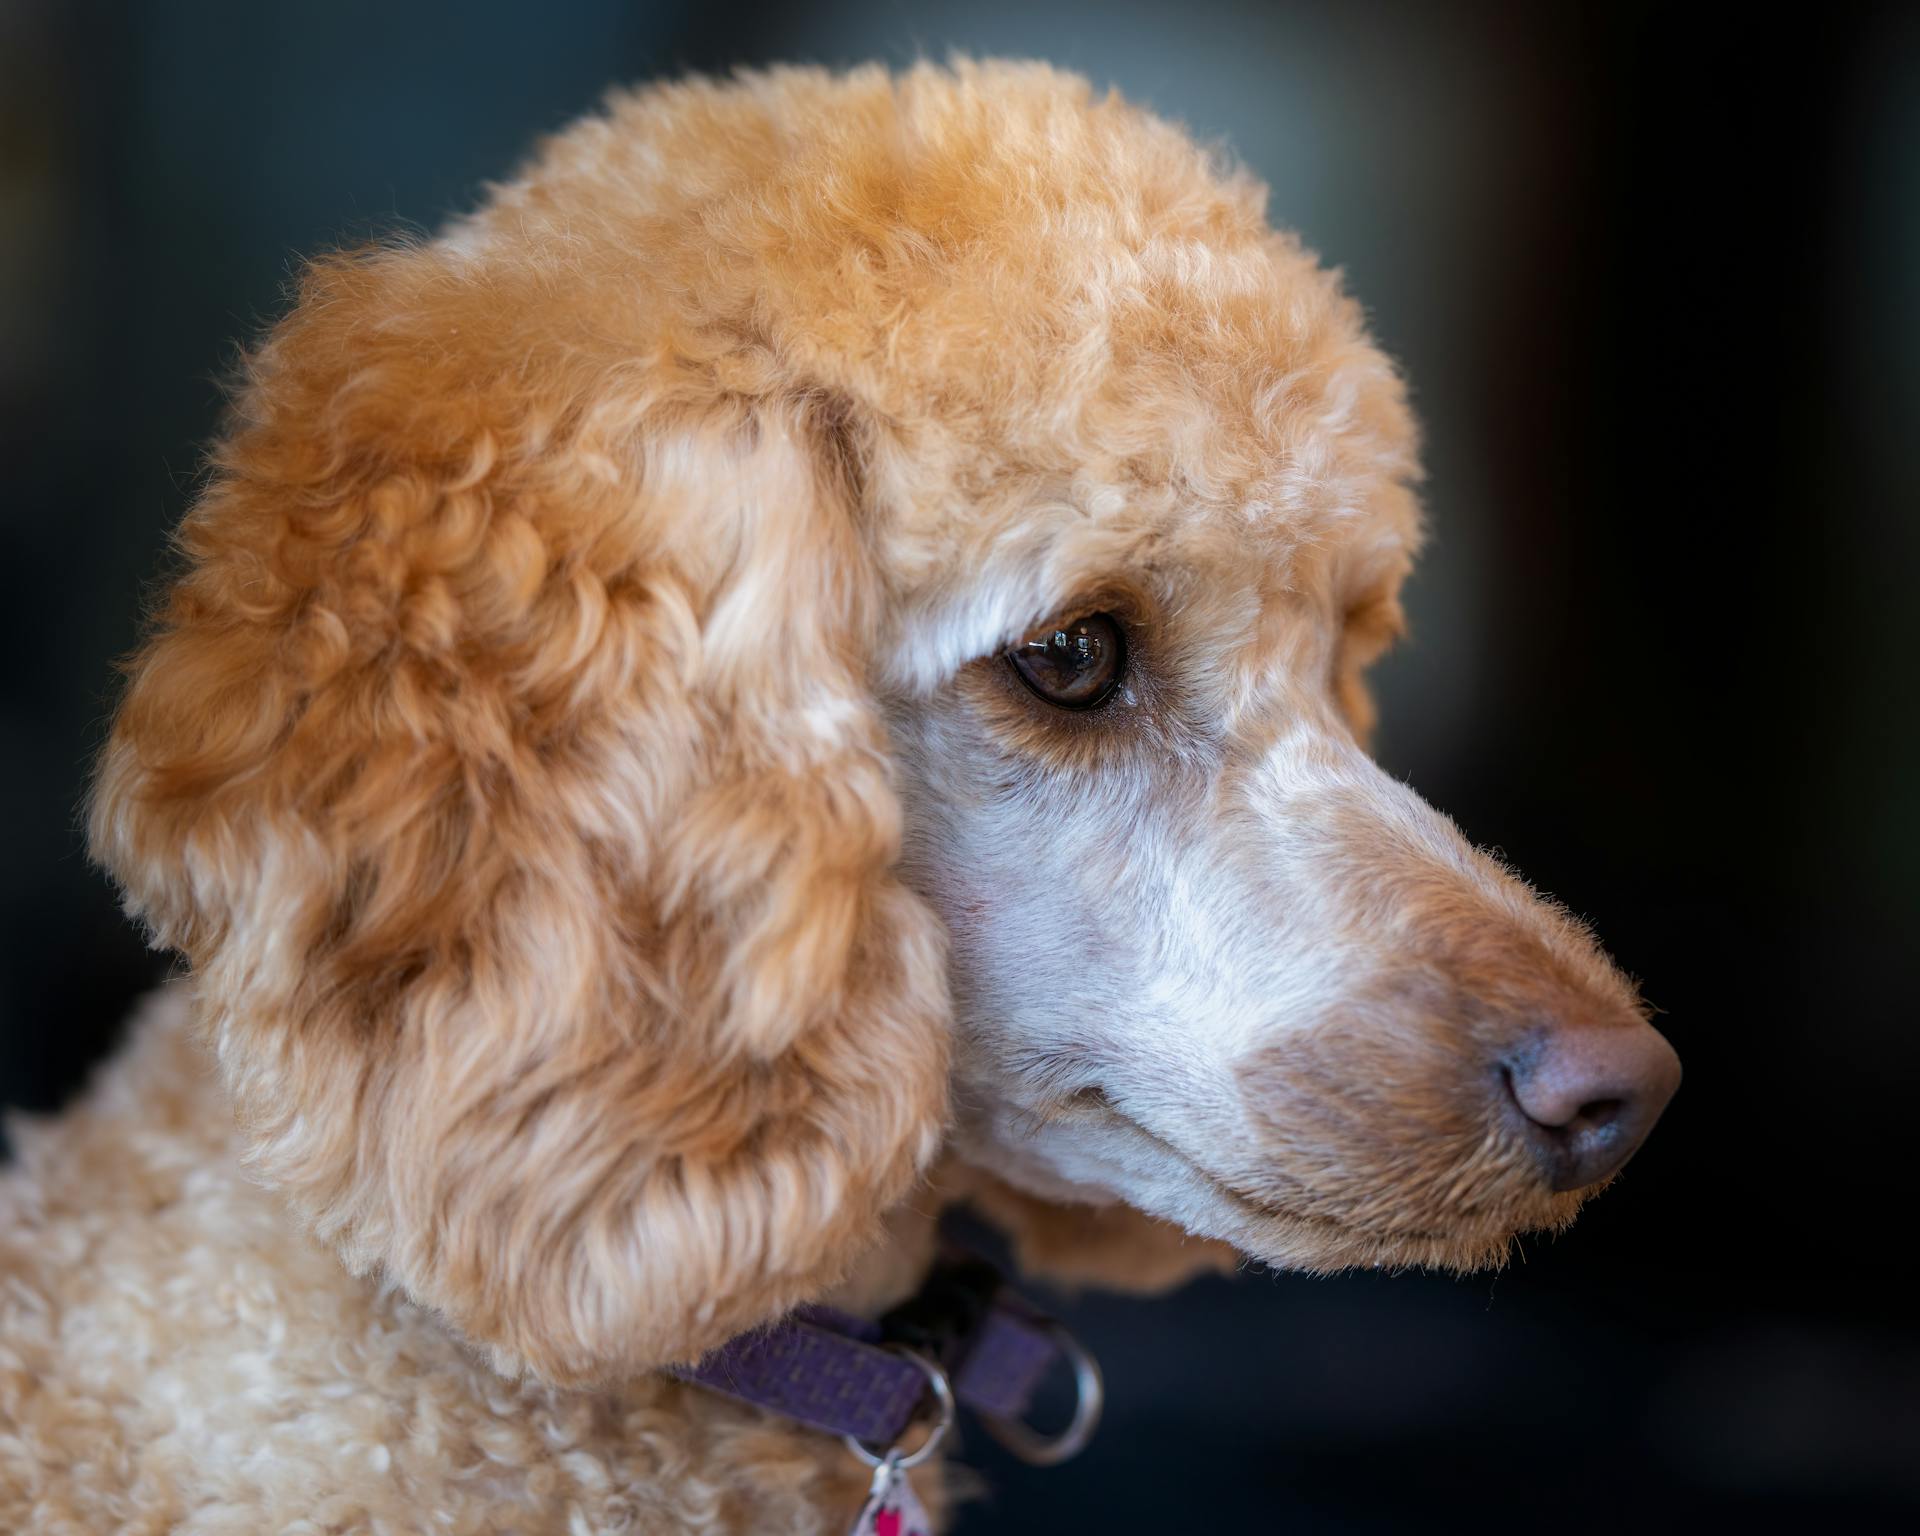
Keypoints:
pixel 869 1380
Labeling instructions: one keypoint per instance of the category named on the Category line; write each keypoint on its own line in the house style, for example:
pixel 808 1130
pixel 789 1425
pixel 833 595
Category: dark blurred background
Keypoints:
pixel 1655 276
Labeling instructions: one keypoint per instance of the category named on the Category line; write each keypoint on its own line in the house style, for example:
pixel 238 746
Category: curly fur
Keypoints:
pixel 576 768
pixel 177 1357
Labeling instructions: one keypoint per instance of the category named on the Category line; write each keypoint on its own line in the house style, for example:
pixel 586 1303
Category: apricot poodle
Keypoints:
pixel 802 664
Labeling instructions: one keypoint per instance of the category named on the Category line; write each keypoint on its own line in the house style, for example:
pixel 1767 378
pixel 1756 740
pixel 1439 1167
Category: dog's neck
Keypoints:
pixel 887 1275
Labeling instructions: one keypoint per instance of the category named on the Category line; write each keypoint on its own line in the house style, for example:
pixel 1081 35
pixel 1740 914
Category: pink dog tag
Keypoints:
pixel 892 1507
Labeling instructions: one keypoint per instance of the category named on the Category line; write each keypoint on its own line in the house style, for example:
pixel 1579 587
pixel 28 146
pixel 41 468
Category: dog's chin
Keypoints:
pixel 1091 1154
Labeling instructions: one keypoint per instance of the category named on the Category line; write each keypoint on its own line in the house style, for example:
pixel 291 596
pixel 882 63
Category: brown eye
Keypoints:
pixel 1077 665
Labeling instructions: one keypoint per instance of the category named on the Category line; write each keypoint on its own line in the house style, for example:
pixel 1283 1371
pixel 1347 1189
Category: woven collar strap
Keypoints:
pixel 841 1374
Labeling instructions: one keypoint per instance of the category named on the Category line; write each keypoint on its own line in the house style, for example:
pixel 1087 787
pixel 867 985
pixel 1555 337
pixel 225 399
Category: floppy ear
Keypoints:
pixel 504 762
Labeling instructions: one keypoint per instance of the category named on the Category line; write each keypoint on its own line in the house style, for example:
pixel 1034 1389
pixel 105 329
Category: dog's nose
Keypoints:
pixel 1588 1095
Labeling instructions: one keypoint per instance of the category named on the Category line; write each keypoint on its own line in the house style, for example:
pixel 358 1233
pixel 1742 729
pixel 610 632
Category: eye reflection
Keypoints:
pixel 1076 665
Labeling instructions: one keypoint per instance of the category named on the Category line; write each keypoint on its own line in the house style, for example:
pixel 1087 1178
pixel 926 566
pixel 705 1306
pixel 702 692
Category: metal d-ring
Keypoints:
pixel 1049 1451
pixel 942 1396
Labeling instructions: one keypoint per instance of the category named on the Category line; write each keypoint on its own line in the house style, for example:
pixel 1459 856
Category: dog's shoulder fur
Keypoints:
pixel 175 1355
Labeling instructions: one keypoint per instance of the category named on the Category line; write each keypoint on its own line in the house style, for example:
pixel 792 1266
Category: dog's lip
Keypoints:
pixel 1267 1231
pixel 1258 1211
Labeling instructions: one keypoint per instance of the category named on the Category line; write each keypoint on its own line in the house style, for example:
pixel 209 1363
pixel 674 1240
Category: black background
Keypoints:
pixel 1655 276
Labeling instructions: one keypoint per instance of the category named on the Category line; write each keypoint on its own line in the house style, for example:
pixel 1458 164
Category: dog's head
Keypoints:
pixel 828 590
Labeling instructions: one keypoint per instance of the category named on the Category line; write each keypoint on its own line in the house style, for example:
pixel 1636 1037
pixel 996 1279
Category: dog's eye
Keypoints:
pixel 1077 665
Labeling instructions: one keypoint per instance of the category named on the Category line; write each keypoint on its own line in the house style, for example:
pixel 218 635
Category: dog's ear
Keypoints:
pixel 504 763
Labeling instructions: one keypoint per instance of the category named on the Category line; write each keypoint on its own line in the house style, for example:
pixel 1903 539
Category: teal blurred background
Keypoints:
pixel 1655 276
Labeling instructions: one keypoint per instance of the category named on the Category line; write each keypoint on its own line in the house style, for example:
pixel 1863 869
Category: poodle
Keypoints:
pixel 802 665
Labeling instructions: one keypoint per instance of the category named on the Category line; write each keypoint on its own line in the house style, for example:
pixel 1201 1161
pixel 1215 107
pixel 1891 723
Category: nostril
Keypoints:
pixel 1601 1112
